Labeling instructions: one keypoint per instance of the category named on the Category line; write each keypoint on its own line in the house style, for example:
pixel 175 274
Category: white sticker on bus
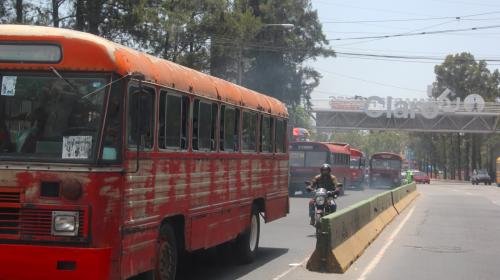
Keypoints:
pixel 76 147
pixel 9 85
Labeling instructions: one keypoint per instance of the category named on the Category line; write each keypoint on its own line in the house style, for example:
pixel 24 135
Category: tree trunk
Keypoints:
pixel 467 157
pixel 19 11
pixel 55 13
pixel 80 15
pixel 452 158
pixel 94 15
pixel 445 156
pixel 459 157
pixel 473 156
pixel 478 151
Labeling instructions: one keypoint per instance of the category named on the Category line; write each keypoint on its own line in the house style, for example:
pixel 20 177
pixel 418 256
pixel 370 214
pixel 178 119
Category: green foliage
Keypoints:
pixel 464 75
pixel 454 153
pixel 241 41
pixel 298 117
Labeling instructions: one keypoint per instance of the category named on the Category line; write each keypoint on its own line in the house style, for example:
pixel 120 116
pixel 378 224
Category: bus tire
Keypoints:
pixel 166 263
pixel 247 243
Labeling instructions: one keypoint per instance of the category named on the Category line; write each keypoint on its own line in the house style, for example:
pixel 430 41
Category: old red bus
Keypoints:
pixel 358 161
pixel 385 170
pixel 114 162
pixel 307 157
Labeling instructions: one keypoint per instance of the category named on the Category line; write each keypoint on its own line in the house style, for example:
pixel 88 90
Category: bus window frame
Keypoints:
pixel 256 140
pixel 285 146
pixel 221 128
pixel 119 88
pixel 182 96
pixel 215 146
pixel 155 102
pixel 271 136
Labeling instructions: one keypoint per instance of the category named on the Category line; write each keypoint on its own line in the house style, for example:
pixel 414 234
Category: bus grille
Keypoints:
pixel 10 197
pixel 31 223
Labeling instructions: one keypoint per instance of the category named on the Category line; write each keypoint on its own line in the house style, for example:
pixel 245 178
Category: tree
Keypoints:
pixel 19 11
pixel 462 74
pixel 277 54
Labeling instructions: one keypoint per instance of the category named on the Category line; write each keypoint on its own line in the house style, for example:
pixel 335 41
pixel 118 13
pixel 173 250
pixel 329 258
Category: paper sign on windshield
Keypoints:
pixel 76 147
pixel 9 85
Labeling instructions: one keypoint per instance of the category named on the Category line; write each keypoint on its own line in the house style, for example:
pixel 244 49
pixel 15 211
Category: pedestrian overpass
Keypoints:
pixel 472 115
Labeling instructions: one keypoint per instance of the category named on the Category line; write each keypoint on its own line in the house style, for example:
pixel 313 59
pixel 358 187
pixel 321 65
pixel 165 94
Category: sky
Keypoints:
pixel 348 76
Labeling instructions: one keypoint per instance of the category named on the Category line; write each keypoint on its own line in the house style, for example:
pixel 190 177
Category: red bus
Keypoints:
pixel 358 161
pixel 385 170
pixel 113 162
pixel 307 157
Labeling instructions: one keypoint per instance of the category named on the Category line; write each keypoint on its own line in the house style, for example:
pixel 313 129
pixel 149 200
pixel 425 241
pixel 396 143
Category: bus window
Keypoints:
pixel 204 125
pixel 112 135
pixel 229 129
pixel 280 136
pixel 145 114
pixel 315 159
pixel 249 133
pixel 266 132
pixel 173 121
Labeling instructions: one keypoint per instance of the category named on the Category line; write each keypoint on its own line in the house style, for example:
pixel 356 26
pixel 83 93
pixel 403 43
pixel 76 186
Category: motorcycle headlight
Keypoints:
pixel 320 200
pixel 65 223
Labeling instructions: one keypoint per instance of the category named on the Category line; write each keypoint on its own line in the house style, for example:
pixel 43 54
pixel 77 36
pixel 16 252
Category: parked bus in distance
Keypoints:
pixel 114 162
pixel 357 165
pixel 385 170
pixel 307 157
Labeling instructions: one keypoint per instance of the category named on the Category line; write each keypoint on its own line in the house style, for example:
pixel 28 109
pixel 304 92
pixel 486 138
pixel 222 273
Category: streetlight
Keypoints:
pixel 286 26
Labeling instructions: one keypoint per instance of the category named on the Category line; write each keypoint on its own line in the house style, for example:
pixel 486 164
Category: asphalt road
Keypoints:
pixel 284 244
pixel 451 231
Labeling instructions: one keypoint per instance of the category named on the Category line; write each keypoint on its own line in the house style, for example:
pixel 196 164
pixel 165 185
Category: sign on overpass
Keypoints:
pixel 471 115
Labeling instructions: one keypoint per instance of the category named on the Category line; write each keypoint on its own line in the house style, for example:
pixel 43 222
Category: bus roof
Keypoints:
pixel 87 52
pixel 357 153
pixel 333 148
pixel 386 155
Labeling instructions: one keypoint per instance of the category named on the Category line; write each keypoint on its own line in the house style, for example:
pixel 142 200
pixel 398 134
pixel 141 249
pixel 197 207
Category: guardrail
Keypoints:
pixel 344 235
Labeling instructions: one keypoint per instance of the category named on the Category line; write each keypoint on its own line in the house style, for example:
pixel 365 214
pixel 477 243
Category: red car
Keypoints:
pixel 421 178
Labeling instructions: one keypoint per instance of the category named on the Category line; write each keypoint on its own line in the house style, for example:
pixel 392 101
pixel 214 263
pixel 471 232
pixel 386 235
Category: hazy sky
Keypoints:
pixel 347 76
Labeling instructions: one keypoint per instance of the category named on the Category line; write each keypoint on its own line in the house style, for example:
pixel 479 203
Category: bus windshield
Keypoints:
pixel 307 159
pixel 386 164
pixel 355 162
pixel 50 117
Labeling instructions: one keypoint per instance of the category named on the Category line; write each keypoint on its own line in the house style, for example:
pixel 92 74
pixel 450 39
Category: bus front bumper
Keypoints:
pixel 20 262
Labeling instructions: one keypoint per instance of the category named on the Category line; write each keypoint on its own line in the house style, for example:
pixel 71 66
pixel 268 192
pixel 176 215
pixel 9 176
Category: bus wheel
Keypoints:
pixel 247 242
pixel 166 264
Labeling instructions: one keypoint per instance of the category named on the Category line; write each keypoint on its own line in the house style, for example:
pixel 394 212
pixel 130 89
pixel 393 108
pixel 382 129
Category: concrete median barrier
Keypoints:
pixel 345 235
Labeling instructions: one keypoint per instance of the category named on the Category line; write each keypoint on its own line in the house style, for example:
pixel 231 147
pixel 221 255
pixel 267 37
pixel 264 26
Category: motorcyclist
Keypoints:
pixel 409 177
pixel 323 180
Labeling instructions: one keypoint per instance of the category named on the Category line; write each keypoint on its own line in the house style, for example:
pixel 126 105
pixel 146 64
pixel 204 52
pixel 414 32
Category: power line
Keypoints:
pixel 464 17
pixel 369 81
pixel 408 56
pixel 417 33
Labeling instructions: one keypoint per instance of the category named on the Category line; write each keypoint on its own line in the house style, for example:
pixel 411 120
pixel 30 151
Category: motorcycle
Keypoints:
pixel 324 203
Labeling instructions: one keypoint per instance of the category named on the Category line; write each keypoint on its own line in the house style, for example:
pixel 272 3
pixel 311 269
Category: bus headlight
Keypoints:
pixel 65 223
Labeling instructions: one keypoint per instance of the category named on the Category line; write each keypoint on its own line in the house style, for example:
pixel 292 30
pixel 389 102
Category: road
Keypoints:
pixel 283 242
pixel 452 231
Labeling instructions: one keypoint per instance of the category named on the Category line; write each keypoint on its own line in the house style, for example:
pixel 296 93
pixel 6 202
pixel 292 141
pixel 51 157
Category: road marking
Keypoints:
pixel 382 251
pixel 294 266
